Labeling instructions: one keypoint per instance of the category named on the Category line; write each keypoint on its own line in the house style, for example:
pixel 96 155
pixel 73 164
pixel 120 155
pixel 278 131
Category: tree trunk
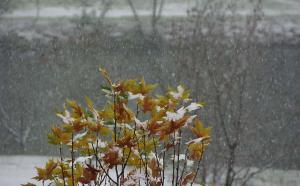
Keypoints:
pixel 230 167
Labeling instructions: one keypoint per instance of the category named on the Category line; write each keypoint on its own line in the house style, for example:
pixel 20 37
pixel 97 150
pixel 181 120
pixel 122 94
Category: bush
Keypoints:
pixel 113 146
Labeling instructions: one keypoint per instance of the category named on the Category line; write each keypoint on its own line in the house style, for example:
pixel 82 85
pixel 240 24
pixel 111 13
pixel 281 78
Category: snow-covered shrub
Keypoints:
pixel 130 140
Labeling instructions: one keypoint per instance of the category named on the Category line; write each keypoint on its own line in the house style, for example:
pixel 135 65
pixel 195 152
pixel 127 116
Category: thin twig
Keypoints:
pixel 103 169
pixel 164 165
pixel 184 166
pixel 72 156
pixel 116 137
pixel 61 164
pixel 173 162
pixel 198 166
pixel 157 158
pixel 178 153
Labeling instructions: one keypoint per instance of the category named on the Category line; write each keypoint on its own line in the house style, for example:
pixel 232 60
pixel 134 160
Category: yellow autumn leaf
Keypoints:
pixel 47 172
pixel 199 130
pixel 106 76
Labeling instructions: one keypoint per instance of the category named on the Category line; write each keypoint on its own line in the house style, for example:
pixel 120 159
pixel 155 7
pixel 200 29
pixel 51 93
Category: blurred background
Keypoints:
pixel 242 58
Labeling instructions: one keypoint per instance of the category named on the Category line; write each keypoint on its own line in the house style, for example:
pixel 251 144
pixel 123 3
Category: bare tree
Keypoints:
pixel 219 51
pixel 19 131
pixel 37 13
pixel 5 6
pixel 106 6
pixel 157 9
pixel 135 15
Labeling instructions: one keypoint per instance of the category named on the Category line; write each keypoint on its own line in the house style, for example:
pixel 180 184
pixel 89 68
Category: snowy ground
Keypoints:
pixel 15 170
pixel 274 8
pixel 282 17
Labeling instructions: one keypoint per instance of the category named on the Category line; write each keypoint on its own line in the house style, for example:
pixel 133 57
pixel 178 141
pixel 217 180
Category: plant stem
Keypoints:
pixel 61 165
pixel 156 157
pixel 178 153
pixel 164 165
pixel 184 166
pixel 115 131
pixel 96 153
pixel 173 162
pixel 105 172
pixel 115 118
pixel 72 156
pixel 198 166
pixel 146 159
pixel 134 132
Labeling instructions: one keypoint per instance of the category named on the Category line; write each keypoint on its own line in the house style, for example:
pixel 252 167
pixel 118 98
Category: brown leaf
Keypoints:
pixel 147 104
pixel 199 130
pixel 188 178
pixel 89 174
pixel 170 127
pixel 111 157
pixel 154 168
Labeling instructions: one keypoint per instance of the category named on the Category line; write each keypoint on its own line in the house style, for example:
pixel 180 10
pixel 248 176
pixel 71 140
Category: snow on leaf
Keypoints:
pixel 191 118
pixel 174 116
pixel 135 96
pixel 197 140
pixel 28 184
pixel 181 157
pixel 81 159
pixel 101 144
pixel 158 108
pixel 140 124
pixel 193 106
pixel 189 163
pixel 179 93
pixel 80 136
pixel 66 117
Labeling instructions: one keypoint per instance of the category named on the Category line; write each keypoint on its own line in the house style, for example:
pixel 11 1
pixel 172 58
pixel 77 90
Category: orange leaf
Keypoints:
pixel 170 127
pixel 147 104
pixel 152 126
pixel 105 75
pixel 112 156
pixel 188 178
pixel 78 126
pixel 99 128
pixel 77 111
pixel 89 174
pixel 196 150
pixel 144 88
pixel 127 141
pixel 46 173
pixel 199 130
pixel 123 114
pixel 155 170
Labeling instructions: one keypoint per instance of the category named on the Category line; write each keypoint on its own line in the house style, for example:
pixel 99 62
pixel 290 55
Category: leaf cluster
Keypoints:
pixel 129 140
